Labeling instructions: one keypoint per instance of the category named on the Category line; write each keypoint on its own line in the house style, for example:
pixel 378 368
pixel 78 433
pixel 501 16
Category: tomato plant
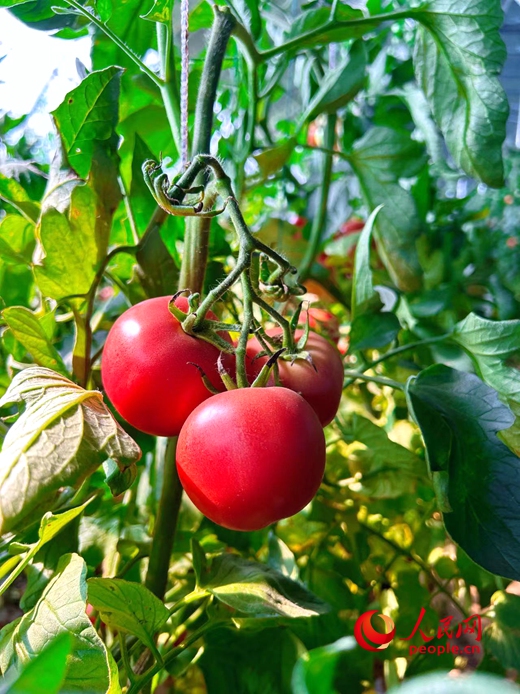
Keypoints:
pixel 268 165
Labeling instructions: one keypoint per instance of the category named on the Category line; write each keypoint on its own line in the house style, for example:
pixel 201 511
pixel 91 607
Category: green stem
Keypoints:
pixel 247 290
pixel 195 257
pixel 165 524
pixel 354 375
pixel 113 37
pixel 320 218
pixel 406 348
pixel 126 658
pixel 394 352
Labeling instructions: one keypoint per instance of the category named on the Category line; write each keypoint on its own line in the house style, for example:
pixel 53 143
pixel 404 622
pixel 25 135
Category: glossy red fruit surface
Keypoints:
pixel 146 367
pixel 250 457
pixel 320 385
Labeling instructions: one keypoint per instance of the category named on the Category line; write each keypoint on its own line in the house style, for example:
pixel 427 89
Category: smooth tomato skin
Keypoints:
pixel 250 457
pixel 320 387
pixel 146 369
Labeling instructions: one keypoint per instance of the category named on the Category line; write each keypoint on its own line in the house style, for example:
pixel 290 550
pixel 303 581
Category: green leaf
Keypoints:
pixel 478 476
pixel 138 36
pixel 315 670
pixel 271 160
pixel 340 85
pixel 370 328
pixel 28 330
pixel 281 558
pixel 73 245
pixel 363 292
pixel 490 344
pixel 445 683
pixel 256 662
pixel 50 526
pixel 17 240
pixel 311 20
pixel 387 470
pixel 502 636
pixel 373 330
pixel 88 114
pixel 119 477
pixel 46 672
pixel 61 610
pixel 128 607
pixel 458 56
pixel 156 269
pixel 62 436
pixel 15 194
pixel 379 159
pixel 259 590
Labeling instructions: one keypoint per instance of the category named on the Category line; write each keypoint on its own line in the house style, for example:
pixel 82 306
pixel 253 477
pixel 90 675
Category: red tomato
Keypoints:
pixel 146 367
pixel 321 387
pixel 250 457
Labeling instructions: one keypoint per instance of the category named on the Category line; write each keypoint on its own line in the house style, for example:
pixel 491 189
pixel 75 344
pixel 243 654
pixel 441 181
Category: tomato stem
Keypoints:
pixel 165 523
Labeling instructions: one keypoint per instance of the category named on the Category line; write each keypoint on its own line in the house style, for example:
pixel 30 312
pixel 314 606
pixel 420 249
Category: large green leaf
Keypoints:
pixel 73 245
pixel 257 589
pixel 477 477
pixel 458 56
pixel 62 436
pixel 45 673
pixel 502 636
pixel 379 159
pixel 128 607
pixel 490 344
pixel 28 330
pixel 61 610
pixel 88 115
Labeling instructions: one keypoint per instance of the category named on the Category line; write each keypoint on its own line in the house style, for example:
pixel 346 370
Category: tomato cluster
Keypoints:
pixel 246 457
